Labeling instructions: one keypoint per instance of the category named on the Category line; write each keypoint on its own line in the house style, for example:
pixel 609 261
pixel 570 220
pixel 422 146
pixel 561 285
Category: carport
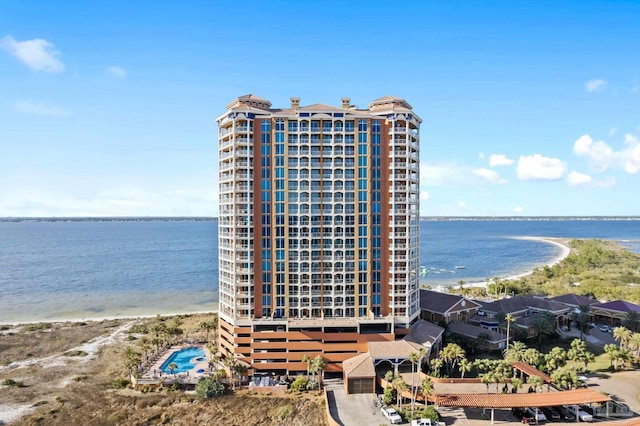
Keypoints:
pixel 520 400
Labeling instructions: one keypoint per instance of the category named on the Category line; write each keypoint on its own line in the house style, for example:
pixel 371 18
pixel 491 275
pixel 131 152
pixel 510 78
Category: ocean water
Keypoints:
pixel 83 269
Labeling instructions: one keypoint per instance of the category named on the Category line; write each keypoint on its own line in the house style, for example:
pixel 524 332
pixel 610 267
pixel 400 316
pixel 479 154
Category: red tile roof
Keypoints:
pixel 530 370
pixel 510 400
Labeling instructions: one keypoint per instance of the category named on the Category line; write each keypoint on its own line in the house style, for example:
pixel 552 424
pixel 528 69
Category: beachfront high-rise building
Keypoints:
pixel 318 229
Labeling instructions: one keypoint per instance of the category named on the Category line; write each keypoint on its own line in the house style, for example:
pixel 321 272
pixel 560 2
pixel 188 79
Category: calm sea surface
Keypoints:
pixel 72 270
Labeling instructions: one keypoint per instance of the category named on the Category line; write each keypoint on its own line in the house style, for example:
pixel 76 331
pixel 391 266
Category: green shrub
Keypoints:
pixel 120 383
pixel 299 384
pixel 389 396
pixel 12 383
pixel 282 413
pixel 208 388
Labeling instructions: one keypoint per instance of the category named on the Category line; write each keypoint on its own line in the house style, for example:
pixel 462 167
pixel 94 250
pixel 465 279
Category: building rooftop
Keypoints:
pixel 619 305
pixel 359 366
pixel 573 299
pixel 435 301
pixel 523 303
pixel 424 333
pixel 475 331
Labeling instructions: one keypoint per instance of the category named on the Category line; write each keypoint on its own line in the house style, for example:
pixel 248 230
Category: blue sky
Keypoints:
pixel 528 108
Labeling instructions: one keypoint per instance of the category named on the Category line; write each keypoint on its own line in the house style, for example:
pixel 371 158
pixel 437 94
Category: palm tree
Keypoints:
pixel 632 320
pixel 583 317
pixel 416 361
pixel 543 325
pixel 207 327
pixel 131 358
pixel 555 359
pixel 451 354
pixel 464 366
pixel 579 353
pixel 536 382
pixel 634 345
pixel 487 378
pixel 509 319
pixel 515 384
pixel 622 335
pixel 172 368
pixel 400 386
pixel 318 366
pixel 307 359
pixel 426 389
pixel 516 352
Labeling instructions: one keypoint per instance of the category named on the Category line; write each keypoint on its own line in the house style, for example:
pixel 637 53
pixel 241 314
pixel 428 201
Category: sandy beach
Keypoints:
pixel 562 243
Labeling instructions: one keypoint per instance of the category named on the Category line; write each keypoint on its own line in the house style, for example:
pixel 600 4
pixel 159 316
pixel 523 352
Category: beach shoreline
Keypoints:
pixel 562 243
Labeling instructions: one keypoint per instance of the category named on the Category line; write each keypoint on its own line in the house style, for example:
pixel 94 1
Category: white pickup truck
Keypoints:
pixel 391 414
pixel 580 414
pixel 422 422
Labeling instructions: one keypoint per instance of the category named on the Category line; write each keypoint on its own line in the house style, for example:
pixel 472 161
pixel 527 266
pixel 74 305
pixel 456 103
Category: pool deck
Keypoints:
pixel 152 373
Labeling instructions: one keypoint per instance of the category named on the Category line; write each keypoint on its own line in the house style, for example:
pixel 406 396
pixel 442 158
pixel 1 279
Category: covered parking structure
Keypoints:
pixel 520 400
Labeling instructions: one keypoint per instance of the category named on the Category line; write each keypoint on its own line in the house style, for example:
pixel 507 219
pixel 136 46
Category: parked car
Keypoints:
pixel 540 415
pixel 605 328
pixel 564 414
pixel 421 422
pixel 391 414
pixel 551 414
pixel 580 414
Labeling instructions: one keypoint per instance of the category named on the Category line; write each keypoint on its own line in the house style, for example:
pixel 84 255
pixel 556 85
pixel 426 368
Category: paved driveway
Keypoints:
pixel 352 410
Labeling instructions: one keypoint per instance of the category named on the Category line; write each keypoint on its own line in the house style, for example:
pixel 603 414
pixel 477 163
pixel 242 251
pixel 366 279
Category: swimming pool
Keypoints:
pixel 183 360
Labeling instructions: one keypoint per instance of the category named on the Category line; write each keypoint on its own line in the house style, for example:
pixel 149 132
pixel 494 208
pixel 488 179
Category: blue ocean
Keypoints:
pixel 91 269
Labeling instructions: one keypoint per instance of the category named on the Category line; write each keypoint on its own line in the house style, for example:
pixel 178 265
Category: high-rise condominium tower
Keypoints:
pixel 318 229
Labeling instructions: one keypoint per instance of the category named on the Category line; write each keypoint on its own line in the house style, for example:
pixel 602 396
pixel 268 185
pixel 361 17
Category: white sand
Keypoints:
pixel 558 242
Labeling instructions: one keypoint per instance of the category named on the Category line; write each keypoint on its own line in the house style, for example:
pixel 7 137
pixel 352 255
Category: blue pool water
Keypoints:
pixel 183 359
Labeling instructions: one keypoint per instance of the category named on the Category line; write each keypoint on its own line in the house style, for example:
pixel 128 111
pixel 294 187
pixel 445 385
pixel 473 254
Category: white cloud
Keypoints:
pixel 38 54
pixel 518 209
pixel 577 179
pixel 117 71
pixel 538 167
pixel 489 175
pixel 613 131
pixel 481 155
pixel 462 204
pixel 601 156
pixel 424 195
pixel 499 160
pixel 595 85
pixel 40 108
pixel 631 156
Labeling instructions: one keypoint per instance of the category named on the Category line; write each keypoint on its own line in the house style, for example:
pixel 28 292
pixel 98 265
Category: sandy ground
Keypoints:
pixel 10 412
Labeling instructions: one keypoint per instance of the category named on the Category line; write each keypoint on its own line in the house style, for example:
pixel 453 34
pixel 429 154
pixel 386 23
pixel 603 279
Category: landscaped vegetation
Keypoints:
pixel 602 269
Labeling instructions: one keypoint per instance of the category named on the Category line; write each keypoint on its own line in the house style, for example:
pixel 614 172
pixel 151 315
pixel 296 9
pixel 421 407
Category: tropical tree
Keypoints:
pixel 535 382
pixel 307 359
pixel 555 359
pixel 416 361
pixel 634 345
pixel 579 353
pixel 436 365
pixel 464 366
pixel 516 352
pixel 207 326
pixel 632 320
pixel 566 378
pixel 426 389
pixel 172 368
pixel 486 378
pixel 584 314
pixel 515 384
pixel 622 336
pixel 145 345
pixel 533 357
pixel 318 366
pixel 543 325
pixel 401 386
pixel 509 319
pixel 450 355
pixel 131 358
